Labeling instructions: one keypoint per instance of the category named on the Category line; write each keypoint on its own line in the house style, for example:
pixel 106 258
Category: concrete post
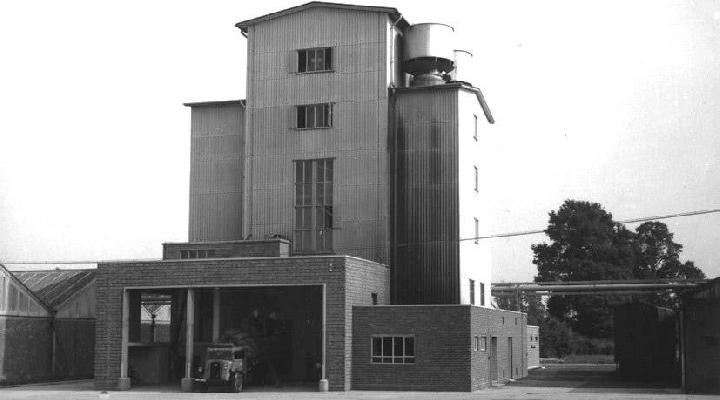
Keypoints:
pixel 124 381
pixel 216 315
pixel 323 385
pixel 186 383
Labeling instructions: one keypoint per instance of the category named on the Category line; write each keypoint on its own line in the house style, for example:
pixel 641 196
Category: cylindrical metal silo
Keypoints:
pixel 463 71
pixel 428 53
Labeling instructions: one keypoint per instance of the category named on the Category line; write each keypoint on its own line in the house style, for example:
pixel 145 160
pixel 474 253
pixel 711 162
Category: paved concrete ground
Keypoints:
pixel 556 382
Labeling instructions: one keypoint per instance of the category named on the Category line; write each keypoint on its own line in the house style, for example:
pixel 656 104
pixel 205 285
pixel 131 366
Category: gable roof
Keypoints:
pixel 244 25
pixel 54 287
pixel 24 287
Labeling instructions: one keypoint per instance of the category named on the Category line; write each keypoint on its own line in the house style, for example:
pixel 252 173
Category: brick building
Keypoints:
pixel 340 203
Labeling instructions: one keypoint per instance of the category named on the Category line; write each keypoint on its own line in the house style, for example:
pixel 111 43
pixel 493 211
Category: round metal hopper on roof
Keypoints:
pixel 428 51
pixel 463 71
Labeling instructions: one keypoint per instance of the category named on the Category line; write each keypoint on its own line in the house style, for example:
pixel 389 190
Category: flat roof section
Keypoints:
pixel 241 102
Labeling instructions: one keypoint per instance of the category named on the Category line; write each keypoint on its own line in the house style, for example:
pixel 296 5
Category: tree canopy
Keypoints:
pixel 586 244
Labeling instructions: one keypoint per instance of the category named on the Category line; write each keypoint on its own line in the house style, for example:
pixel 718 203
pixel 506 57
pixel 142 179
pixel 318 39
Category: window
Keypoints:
pixel 315 60
pixel 475 131
pixel 483 343
pixel 373 296
pixel 313 205
pixel 515 321
pixel 393 350
pixel 476 343
pixel 185 254
pixel 482 294
pixel 315 116
pixel 477 230
pixel 2 292
pixel 476 177
pixel 472 291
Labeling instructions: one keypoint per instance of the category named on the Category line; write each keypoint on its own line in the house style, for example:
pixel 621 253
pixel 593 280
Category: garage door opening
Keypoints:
pixel 279 329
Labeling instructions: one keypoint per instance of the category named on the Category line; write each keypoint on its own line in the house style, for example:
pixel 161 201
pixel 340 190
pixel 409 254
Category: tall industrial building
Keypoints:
pixel 358 136
pixel 339 204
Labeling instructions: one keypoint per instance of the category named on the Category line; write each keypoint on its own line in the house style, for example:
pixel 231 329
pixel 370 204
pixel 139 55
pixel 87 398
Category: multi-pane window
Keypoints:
pixel 482 294
pixel 315 116
pixel 313 205
pixel 393 349
pixel 472 291
pixel 315 60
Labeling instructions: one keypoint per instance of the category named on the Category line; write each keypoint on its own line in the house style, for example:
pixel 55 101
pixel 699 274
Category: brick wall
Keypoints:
pixel 240 248
pixel 338 273
pixel 442 344
pixel 25 349
pixel 701 320
pixel 445 355
pixel 502 325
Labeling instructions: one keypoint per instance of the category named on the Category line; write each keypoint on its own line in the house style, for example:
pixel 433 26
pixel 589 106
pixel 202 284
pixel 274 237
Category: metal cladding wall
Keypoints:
pixel 701 339
pixel 216 171
pixel 425 196
pixel 474 174
pixel 645 342
pixel 357 141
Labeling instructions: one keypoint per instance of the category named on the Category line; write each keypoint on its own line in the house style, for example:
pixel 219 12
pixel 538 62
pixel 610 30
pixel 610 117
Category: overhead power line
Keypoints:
pixel 493 236
pixel 626 221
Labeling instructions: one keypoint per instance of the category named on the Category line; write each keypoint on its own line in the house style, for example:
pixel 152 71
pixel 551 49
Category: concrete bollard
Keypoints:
pixel 186 384
pixel 124 384
pixel 323 386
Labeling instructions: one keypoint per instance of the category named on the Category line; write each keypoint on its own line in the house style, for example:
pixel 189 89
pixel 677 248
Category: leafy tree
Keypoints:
pixel 586 245
pixel 531 304
pixel 658 256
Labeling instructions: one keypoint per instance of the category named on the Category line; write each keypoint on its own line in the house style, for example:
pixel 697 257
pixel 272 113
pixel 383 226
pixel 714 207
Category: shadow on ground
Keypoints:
pixel 585 378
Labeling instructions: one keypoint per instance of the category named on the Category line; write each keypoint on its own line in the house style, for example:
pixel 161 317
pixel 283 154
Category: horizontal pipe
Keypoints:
pixel 618 281
pixel 606 287
pixel 577 293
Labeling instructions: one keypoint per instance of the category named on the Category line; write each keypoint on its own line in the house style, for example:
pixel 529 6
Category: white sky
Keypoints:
pixel 616 102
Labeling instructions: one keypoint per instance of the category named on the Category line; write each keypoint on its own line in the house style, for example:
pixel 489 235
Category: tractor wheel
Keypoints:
pixel 237 385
